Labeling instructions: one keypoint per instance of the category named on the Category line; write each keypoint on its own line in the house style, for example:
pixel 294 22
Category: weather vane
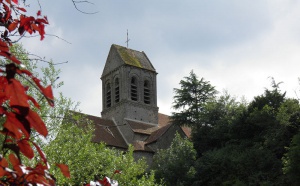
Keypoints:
pixel 127 41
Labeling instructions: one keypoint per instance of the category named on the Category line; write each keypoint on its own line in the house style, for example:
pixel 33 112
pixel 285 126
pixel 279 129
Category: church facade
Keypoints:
pixel 129 100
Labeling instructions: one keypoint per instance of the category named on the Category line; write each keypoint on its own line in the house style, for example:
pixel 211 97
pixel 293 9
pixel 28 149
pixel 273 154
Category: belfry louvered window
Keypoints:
pixel 117 90
pixel 146 92
pixel 133 89
pixel 108 95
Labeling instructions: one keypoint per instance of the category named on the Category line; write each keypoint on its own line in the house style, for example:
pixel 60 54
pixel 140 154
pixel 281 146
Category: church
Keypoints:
pixel 129 100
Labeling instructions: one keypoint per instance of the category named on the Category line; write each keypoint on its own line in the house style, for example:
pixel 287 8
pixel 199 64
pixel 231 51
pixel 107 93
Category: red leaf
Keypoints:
pixel 4 46
pixel 22 9
pixel 16 93
pixel 2 172
pixel 37 123
pixel 3 162
pixel 16 124
pixel 64 169
pixel 105 182
pixel 35 103
pixel 24 71
pixel 7 11
pixel 35 27
pixel 14 160
pixel 39 13
pixel 117 172
pixel 15 1
pixel 41 153
pixel 25 148
pixel 47 92
pixel 25 21
pixel 49 95
pixel 10 57
pixel 44 21
pixel 42 31
pixel 12 26
pixel 13 125
pixel 3 84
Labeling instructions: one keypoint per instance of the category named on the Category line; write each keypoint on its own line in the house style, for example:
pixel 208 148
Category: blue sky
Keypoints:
pixel 234 44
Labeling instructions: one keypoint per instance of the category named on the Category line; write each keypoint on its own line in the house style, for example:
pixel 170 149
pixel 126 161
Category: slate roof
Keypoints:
pixel 134 58
pixel 140 127
pixel 164 120
pixel 141 146
pixel 157 134
pixel 106 131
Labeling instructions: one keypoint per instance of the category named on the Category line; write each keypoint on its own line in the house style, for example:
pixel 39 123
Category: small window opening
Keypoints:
pixel 133 89
pixel 108 95
pixel 117 90
pixel 146 92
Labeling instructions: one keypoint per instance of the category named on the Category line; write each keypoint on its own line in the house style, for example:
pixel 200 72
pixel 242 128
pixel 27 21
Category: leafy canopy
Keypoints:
pixel 190 100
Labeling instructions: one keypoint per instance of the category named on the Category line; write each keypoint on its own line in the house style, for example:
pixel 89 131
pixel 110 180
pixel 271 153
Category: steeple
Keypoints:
pixel 129 87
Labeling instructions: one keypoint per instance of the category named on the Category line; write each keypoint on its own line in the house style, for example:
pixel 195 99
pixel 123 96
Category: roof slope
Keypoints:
pixel 105 131
pixel 157 134
pixel 119 56
pixel 164 120
pixel 134 58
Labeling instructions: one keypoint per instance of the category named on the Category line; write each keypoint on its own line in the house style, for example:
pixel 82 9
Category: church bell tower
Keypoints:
pixel 129 88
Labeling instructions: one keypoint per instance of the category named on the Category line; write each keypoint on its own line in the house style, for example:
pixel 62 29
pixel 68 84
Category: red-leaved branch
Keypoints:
pixel 15 104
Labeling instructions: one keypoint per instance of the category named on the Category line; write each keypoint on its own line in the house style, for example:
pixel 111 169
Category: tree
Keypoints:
pixel 291 161
pixel 175 164
pixel 221 114
pixel 19 109
pixel 86 159
pixel 237 165
pixel 247 147
pixel 190 99
pixel 52 116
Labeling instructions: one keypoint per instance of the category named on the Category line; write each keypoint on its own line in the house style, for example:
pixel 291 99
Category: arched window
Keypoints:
pixel 146 92
pixel 133 89
pixel 108 95
pixel 117 90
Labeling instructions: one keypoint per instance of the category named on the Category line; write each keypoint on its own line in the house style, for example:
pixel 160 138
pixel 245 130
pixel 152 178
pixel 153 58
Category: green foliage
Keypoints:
pixel 291 161
pixel 221 114
pixel 175 164
pixel 250 166
pixel 190 99
pixel 245 144
pixel 85 159
pixel 52 116
pixel 239 143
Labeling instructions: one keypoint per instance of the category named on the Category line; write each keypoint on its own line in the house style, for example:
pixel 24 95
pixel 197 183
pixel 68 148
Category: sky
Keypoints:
pixel 235 45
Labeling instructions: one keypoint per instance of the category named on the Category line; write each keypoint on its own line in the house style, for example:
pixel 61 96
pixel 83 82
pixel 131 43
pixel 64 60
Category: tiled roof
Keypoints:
pixel 106 131
pixel 134 58
pixel 157 134
pixel 141 146
pixel 140 127
pixel 164 120
pixel 187 131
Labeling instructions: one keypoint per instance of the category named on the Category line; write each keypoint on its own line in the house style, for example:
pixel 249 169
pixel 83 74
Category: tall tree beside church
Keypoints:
pixel 190 100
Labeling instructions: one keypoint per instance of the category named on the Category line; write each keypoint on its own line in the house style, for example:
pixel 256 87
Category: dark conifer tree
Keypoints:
pixel 189 100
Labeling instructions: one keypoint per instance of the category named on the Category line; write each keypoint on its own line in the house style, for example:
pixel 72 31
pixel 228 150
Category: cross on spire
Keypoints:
pixel 127 41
